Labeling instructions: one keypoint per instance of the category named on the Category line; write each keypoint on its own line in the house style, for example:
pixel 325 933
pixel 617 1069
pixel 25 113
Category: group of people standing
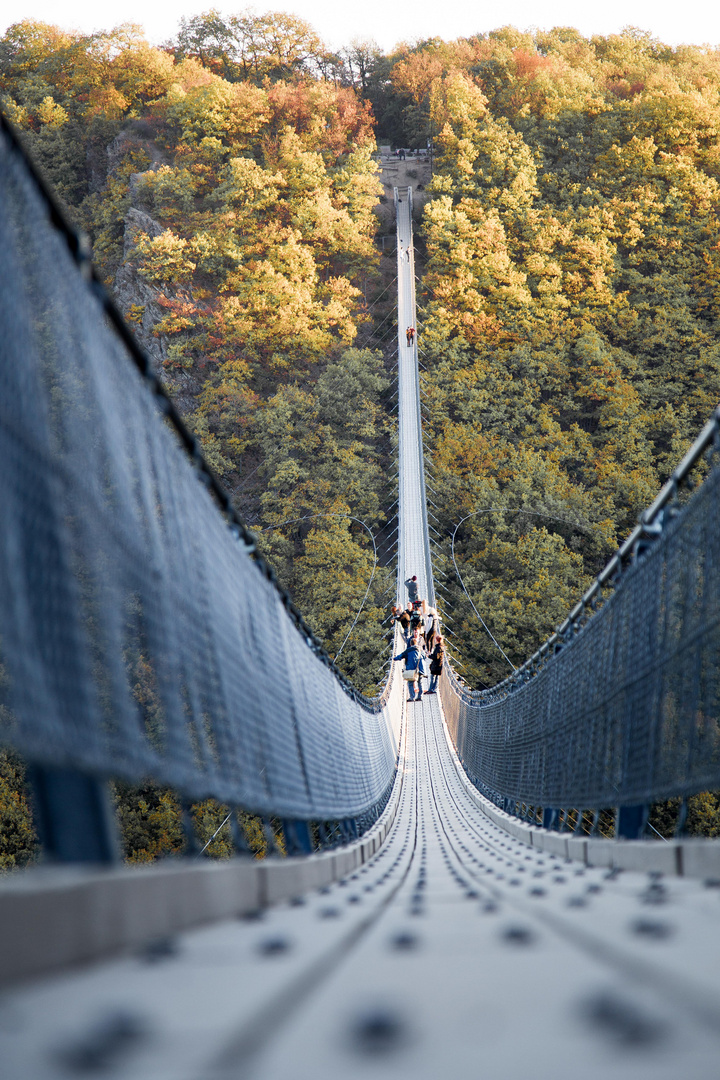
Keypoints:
pixel 424 652
pixel 410 334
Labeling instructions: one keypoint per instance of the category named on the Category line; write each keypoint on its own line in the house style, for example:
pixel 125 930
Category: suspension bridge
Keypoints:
pixel 437 913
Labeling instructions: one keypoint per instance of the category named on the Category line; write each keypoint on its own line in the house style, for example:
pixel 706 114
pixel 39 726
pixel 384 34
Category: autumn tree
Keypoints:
pixel 569 311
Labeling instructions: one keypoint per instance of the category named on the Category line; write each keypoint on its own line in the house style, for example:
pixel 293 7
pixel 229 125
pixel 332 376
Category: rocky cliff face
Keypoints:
pixel 139 302
pixel 133 293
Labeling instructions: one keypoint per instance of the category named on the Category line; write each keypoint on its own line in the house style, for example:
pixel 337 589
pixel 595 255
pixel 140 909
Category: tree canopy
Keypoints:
pixel 570 302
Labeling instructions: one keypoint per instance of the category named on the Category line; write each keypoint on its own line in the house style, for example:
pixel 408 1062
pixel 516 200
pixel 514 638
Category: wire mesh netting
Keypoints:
pixel 137 637
pixel 628 711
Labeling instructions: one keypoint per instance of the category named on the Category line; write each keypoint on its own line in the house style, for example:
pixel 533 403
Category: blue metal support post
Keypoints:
pixel 73 816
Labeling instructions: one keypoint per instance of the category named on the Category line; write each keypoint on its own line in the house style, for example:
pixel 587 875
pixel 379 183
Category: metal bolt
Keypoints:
pixel 621 1021
pixel 378 1033
pixel 654 894
pixel 654 931
pixel 161 949
pixel 518 935
pixel 329 913
pixel 274 946
pixel 404 941
pixel 110 1039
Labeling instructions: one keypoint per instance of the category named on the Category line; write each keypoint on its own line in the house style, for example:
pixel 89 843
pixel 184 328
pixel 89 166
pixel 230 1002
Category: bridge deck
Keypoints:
pixel 455 948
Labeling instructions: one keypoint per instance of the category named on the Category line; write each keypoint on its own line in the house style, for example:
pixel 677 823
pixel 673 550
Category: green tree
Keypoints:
pixel 18 841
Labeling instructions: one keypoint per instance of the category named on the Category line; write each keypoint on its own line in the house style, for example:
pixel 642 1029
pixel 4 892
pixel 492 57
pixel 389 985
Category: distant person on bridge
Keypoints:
pixel 410 335
pixel 412 588
pixel 437 659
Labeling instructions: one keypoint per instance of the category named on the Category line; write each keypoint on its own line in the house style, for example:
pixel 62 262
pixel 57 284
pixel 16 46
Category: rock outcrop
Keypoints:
pixel 133 292
pixel 141 303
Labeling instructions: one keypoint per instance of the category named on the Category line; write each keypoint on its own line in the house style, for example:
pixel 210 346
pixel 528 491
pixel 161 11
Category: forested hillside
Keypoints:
pixel 570 298
pixel 571 303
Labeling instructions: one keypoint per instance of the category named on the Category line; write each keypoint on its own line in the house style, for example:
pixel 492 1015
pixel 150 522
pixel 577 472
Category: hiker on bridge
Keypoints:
pixel 415 667
pixel 417 619
pixel 432 628
pixel 437 659
pixel 410 335
pixel 402 616
pixel 412 587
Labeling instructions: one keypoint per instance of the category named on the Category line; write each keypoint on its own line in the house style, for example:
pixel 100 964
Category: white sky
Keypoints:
pixel 339 21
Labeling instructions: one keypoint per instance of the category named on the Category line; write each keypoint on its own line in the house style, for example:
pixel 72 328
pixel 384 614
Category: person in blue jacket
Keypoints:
pixel 414 663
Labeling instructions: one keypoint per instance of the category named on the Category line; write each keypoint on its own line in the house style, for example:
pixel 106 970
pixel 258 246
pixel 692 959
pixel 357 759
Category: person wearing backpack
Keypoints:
pixel 416 619
pixel 413 658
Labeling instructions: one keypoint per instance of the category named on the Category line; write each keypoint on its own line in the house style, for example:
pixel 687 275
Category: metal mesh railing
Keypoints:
pixel 139 635
pixel 622 706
